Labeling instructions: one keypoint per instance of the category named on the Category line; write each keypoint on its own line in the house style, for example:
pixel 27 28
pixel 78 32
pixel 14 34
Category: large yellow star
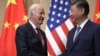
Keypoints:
pixel 16 25
pixel 6 24
pixel 11 1
pixel 25 18
pixel 98 15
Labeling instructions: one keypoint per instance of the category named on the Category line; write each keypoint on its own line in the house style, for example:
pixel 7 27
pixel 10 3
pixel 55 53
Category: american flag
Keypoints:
pixel 58 26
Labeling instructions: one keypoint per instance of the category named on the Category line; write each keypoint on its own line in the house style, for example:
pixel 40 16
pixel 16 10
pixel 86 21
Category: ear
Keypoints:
pixel 31 14
pixel 82 11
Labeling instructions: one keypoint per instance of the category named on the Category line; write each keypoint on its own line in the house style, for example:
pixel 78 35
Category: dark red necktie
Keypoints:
pixel 39 35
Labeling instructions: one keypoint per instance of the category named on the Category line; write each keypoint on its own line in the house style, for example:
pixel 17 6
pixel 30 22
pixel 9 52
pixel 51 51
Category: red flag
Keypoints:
pixel 97 12
pixel 15 15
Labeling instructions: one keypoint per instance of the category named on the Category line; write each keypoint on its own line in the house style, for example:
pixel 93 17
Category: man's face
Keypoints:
pixel 76 13
pixel 38 16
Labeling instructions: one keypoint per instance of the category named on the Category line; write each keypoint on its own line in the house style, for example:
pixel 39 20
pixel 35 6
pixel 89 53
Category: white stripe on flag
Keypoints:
pixel 62 35
pixel 52 41
pixel 49 54
pixel 69 24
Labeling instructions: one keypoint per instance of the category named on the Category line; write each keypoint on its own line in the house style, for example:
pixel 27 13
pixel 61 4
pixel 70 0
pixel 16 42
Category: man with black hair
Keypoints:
pixel 84 38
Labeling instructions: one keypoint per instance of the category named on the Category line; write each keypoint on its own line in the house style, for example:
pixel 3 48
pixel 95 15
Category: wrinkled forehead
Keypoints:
pixel 36 7
pixel 73 7
pixel 39 8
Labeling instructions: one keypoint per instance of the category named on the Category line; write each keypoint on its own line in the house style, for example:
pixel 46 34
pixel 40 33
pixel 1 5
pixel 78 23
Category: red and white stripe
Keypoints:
pixel 57 39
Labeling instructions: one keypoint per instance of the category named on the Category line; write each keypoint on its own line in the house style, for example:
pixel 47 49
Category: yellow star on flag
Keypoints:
pixel 6 24
pixel 11 1
pixel 16 26
pixel 98 15
pixel 25 18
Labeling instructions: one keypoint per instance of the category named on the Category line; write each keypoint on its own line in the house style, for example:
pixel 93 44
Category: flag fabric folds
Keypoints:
pixel 15 15
pixel 96 18
pixel 58 26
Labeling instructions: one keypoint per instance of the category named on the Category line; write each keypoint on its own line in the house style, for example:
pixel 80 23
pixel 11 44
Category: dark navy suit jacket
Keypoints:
pixel 87 43
pixel 28 42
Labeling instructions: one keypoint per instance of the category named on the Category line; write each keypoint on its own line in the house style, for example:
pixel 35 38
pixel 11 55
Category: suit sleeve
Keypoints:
pixel 97 42
pixel 21 43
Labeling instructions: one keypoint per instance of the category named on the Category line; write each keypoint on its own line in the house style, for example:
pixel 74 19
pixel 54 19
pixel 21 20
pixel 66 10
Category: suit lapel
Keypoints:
pixel 30 28
pixel 34 34
pixel 83 31
pixel 70 38
pixel 32 31
pixel 42 33
pixel 44 39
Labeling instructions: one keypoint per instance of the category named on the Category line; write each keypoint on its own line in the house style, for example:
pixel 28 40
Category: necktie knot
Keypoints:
pixel 77 32
pixel 38 31
pixel 78 28
pixel 37 28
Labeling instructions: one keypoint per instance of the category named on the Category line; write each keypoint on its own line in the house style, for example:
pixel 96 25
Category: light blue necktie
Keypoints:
pixel 76 33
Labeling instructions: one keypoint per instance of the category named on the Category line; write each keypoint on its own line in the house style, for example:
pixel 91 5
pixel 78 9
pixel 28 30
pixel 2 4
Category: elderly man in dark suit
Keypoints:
pixel 29 40
pixel 84 38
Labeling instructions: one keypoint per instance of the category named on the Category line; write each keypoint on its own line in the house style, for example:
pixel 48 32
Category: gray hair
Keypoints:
pixel 32 9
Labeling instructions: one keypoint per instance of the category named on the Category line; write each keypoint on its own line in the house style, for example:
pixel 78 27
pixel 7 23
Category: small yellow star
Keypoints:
pixel 98 15
pixel 25 18
pixel 6 24
pixel 11 1
pixel 16 25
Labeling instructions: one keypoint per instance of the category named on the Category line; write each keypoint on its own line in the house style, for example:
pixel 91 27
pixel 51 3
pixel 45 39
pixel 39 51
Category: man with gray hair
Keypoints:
pixel 30 39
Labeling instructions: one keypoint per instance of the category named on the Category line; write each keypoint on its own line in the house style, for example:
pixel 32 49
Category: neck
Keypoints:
pixel 81 20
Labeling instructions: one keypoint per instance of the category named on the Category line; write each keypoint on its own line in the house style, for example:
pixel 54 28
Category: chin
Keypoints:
pixel 73 19
pixel 40 23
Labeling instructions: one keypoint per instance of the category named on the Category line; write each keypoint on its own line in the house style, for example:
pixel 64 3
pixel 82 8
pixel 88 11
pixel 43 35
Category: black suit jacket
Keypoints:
pixel 28 42
pixel 87 43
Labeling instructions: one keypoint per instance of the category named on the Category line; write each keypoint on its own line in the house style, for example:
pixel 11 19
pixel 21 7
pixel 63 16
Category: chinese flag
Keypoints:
pixel 15 15
pixel 97 12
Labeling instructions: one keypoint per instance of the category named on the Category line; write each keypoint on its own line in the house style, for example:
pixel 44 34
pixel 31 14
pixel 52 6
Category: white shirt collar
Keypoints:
pixel 33 25
pixel 83 24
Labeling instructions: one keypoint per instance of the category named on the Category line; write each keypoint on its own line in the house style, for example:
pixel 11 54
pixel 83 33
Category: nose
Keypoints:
pixel 43 15
pixel 70 12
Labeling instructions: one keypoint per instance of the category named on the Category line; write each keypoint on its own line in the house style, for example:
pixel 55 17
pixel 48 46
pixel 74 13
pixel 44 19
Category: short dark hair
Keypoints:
pixel 81 4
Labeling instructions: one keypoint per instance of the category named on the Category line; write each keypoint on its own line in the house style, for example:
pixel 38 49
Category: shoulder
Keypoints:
pixel 95 25
pixel 73 29
pixel 91 24
pixel 25 26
